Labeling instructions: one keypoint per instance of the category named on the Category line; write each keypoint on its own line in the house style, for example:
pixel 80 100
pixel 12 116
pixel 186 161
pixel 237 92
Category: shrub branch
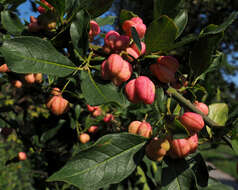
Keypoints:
pixel 187 104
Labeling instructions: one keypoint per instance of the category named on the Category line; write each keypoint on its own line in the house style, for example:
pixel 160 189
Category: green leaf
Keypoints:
pixel 136 38
pixel 153 170
pixel 234 143
pixel 181 21
pixel 95 92
pixel 126 15
pixel 219 113
pixel 11 23
pixel 223 26
pixel 44 5
pixel 109 20
pixel 175 10
pixel 59 6
pixel 215 185
pixel 177 110
pixel 200 170
pixel 34 55
pixel 165 7
pixel 142 182
pixel 112 158
pixel 52 132
pixel 210 37
pixel 202 52
pixel 161 100
pixel 89 121
pixel 184 41
pixel 77 112
pixel 217 61
pixel 75 5
pixel 79 32
pixel 177 175
pixel 177 129
pixel 160 34
pixel 95 8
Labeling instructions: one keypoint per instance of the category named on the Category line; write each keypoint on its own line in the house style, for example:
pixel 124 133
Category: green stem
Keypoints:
pixel 168 105
pixel 65 86
pixel 78 129
pixel 161 118
pixel 89 58
pixel 187 104
pixel 80 57
pixel 146 116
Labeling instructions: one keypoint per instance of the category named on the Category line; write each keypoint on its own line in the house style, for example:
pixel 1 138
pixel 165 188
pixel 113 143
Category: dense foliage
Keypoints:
pixel 125 114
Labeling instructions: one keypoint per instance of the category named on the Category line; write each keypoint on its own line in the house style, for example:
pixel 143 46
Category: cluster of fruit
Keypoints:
pixel 27 78
pixel 122 53
pixel 117 67
pixel 35 25
pixel 42 9
pixel 157 148
pixel 46 21
pixel 95 112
